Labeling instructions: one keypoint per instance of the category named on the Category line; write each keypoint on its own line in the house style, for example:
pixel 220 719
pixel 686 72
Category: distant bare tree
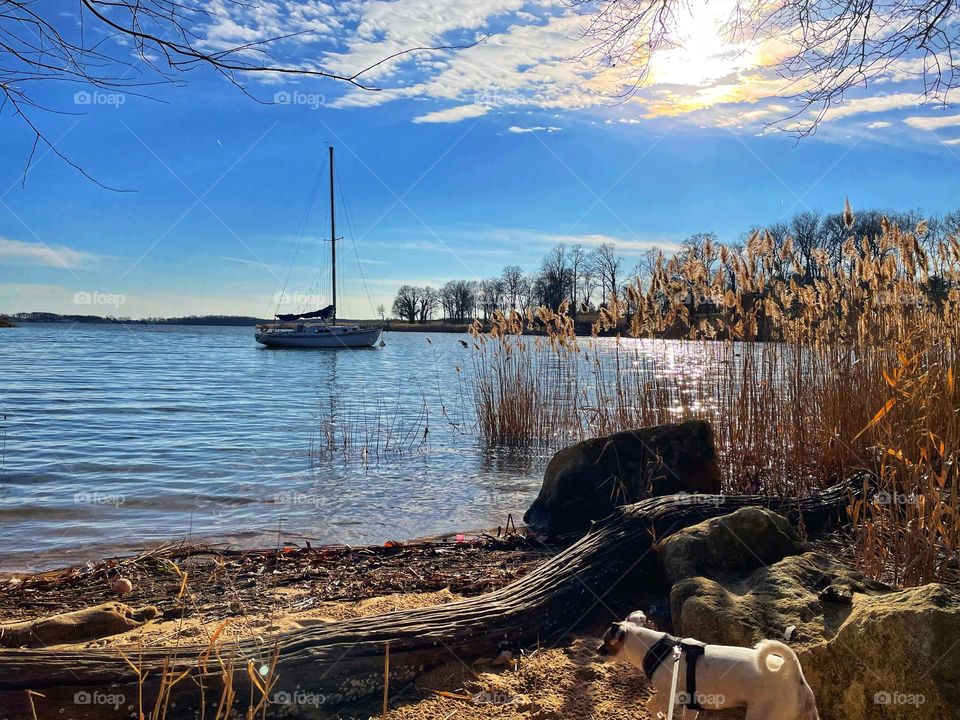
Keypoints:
pixel 807 238
pixel 605 264
pixel 553 282
pixel 406 303
pixel 457 299
pixel 512 279
pixel 831 46
pixel 579 268
pixel 491 296
pixel 646 264
pixel 702 246
pixel 427 303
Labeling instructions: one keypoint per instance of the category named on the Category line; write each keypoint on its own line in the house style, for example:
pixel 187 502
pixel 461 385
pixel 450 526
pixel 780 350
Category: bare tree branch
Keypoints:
pixel 167 41
pixel 835 45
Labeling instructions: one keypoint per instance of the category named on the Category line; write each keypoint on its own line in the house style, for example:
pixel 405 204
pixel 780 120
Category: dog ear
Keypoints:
pixel 637 617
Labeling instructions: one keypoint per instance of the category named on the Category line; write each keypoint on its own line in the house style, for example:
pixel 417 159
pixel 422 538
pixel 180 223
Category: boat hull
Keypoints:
pixel 328 338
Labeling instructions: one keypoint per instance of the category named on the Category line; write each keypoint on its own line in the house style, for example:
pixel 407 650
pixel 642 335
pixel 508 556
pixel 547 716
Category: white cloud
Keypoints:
pixel 879 124
pixel 530 56
pixel 27 253
pixel 621 245
pixel 536 128
pixel 875 104
pixel 933 123
pixel 452 115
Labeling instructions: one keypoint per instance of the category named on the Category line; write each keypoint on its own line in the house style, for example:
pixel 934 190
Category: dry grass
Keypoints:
pixel 822 368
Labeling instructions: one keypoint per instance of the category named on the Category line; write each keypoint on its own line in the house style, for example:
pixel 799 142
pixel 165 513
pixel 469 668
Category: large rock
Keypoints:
pixel 867 652
pixel 811 591
pixel 585 482
pixel 736 543
pixel 896 657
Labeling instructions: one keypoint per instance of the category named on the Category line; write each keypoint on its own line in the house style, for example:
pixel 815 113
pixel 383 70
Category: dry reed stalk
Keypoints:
pixel 824 366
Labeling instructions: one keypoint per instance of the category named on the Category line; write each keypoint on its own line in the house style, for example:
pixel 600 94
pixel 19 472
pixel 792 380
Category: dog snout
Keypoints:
pixel 602 649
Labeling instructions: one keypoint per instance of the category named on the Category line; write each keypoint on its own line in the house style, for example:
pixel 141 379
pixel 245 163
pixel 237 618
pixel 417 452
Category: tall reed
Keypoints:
pixel 809 368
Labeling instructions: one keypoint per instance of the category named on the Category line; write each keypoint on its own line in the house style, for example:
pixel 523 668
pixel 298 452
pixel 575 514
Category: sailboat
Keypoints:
pixel 295 330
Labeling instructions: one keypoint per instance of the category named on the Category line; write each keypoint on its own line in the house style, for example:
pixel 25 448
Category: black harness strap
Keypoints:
pixel 693 651
pixel 662 649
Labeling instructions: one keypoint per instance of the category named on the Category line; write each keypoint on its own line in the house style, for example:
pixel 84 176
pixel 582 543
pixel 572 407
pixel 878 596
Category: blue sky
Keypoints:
pixel 468 161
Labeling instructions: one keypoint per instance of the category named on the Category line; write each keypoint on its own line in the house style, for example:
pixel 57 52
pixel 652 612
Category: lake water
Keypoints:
pixel 118 437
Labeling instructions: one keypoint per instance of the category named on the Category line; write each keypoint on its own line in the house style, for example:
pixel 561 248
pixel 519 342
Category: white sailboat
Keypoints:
pixel 296 331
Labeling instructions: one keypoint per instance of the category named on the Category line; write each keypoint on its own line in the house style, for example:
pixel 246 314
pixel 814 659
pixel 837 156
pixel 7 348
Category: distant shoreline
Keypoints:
pixel 583 323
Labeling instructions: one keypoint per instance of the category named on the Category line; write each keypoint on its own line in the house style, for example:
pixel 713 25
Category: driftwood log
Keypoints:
pixel 344 661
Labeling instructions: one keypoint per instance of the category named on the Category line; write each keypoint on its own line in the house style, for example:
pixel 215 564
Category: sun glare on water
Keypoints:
pixel 703 52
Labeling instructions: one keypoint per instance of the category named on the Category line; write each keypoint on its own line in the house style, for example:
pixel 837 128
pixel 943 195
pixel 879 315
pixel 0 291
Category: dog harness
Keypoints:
pixel 662 649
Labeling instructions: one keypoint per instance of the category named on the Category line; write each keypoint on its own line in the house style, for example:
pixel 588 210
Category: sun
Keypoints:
pixel 703 52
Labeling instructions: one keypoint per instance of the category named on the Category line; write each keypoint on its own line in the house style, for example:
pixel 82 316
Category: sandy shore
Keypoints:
pixel 260 595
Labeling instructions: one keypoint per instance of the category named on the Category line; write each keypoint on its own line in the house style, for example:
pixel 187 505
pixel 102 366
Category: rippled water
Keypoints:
pixel 117 437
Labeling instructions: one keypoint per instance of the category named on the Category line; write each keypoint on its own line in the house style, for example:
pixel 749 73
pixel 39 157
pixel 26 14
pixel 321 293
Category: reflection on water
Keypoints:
pixel 117 437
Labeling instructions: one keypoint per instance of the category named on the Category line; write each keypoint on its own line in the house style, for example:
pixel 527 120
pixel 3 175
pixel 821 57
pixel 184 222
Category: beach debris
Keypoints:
pixel 838 593
pixel 504 658
pixel 122 586
pixel 219 576
pixel 789 633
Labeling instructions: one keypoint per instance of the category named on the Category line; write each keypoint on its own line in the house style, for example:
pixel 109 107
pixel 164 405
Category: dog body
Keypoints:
pixel 766 679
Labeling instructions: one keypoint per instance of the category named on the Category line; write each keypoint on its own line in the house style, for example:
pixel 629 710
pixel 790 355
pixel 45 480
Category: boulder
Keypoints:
pixel 585 482
pixel 736 543
pixel 728 609
pixel 896 657
pixel 867 651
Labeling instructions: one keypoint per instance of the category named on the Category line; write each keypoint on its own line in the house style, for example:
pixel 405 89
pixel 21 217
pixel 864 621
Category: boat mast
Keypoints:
pixel 333 242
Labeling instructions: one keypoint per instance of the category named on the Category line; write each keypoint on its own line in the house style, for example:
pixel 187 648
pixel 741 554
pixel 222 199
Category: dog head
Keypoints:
pixel 612 640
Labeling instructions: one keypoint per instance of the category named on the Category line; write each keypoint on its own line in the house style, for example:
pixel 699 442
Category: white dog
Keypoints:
pixel 767 679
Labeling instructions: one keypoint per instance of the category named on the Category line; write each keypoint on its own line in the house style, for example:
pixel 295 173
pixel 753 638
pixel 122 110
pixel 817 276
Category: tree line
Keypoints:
pixel 589 279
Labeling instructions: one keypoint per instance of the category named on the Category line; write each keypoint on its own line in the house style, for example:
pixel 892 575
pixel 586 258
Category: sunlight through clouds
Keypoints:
pixel 511 55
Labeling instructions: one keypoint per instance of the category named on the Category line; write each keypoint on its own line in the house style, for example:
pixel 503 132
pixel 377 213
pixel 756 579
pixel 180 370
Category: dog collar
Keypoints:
pixel 657 653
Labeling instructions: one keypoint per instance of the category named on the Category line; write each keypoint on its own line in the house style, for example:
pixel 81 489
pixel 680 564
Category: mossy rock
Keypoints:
pixel 742 541
pixel 896 657
pixel 867 652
